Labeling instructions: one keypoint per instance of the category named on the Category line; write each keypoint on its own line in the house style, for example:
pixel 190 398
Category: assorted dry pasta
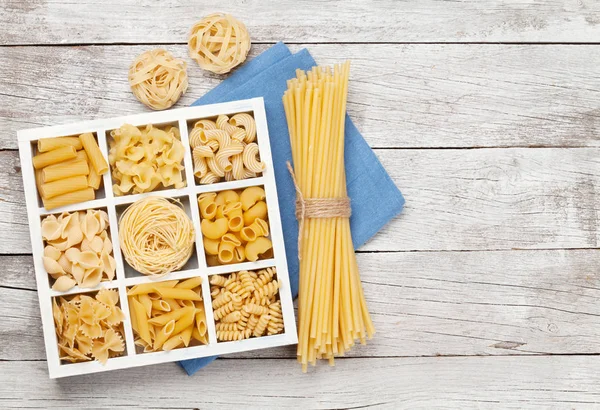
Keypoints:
pixel 246 304
pixel 225 149
pixel 235 226
pixel 144 298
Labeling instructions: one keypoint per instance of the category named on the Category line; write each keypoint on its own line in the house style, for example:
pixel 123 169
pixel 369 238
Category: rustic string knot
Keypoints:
pixel 307 208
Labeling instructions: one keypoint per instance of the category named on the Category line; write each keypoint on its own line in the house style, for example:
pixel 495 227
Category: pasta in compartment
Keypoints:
pixel 89 326
pixel 246 304
pixel 168 315
pixel 225 149
pixel 145 159
pixel 78 249
pixel 68 170
pixel 235 226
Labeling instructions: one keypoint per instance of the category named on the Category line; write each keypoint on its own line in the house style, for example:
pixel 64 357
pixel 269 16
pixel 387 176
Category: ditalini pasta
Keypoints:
pixel 68 170
pixel 219 42
pixel 156 235
pixel 235 226
pixel 144 158
pixel 168 315
pixel 246 304
pixel 225 149
pixel 78 249
pixel 89 328
pixel 332 308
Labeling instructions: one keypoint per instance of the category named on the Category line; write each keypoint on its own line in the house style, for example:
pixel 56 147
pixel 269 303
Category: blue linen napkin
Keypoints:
pixel 375 200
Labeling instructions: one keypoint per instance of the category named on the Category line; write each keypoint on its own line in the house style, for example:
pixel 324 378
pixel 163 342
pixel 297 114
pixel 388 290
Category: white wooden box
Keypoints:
pixel 197 265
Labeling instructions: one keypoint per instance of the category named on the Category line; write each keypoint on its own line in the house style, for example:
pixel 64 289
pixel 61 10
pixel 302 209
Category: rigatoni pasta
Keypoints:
pixel 168 315
pixel 65 172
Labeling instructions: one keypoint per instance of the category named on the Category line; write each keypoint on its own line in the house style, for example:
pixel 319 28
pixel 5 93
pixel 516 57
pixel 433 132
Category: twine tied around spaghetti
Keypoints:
pixel 307 208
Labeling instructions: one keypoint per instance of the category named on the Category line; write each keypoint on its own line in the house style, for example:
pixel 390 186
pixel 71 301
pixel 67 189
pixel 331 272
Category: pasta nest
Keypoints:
pixel 219 42
pixel 156 236
pixel 158 79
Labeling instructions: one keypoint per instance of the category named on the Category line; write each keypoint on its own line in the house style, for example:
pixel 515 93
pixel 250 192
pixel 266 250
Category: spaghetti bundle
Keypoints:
pixel 332 308
pixel 157 236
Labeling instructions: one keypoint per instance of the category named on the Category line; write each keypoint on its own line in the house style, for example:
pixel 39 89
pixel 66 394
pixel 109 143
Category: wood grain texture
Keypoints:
pixel 476 199
pixel 135 21
pixel 390 383
pixel 411 96
pixel 422 304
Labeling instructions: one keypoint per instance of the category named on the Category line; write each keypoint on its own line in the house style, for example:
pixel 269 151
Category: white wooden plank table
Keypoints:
pixel 485 291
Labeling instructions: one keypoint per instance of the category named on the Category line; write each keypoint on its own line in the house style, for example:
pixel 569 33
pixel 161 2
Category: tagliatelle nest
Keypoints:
pixel 157 79
pixel 219 43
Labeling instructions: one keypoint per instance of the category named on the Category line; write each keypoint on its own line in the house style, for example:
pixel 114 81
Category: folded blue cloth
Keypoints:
pixel 374 197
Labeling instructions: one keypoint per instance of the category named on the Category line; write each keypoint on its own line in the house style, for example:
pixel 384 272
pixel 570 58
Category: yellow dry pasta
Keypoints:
pixel 48 144
pixel 177 314
pixel 219 43
pixel 231 221
pixel 156 236
pixel 141 159
pixel 241 317
pixel 250 158
pixel 157 79
pixel 88 328
pixel 94 155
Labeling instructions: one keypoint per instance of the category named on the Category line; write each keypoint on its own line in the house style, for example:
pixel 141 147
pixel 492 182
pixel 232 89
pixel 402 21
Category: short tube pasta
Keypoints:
pixel 65 170
pixel 49 144
pixel 178 320
pixel 75 197
pixel 54 157
pixel 63 186
pixel 93 152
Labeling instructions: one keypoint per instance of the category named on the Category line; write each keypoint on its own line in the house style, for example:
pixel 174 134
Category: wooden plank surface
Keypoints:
pixel 483 292
pixel 134 21
pixel 422 304
pixel 412 383
pixel 414 96
pixel 475 199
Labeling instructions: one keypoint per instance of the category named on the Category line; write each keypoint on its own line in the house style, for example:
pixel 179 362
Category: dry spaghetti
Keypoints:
pixel 157 236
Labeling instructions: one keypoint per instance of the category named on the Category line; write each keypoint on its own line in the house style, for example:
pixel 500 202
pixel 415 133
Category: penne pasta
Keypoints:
pixel 54 157
pixel 184 322
pixel 75 197
pixel 173 315
pixel 189 283
pixel 147 303
pixel 186 335
pixel 93 152
pixel 49 144
pixel 146 288
pixel 163 334
pixel 142 321
pixel 180 294
pixel 63 186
